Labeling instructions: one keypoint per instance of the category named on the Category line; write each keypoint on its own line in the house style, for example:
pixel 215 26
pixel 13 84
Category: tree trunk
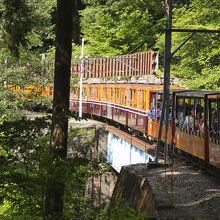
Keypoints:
pixel 76 20
pixel 59 132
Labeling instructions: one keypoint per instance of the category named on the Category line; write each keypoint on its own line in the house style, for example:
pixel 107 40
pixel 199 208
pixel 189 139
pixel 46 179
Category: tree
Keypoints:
pixel 197 62
pixel 116 27
pixel 59 133
pixel 76 20
pixel 16 16
pixel 23 165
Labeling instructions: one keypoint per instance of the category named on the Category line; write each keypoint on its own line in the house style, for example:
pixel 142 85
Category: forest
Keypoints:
pixel 28 35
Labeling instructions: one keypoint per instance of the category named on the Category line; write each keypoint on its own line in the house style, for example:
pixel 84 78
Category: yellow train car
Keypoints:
pixel 133 96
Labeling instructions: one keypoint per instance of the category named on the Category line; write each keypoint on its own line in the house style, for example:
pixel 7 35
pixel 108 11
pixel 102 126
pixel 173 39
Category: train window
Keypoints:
pixel 180 112
pixel 118 98
pixel 122 94
pixel 130 97
pixel 112 95
pixel 199 108
pixel 125 97
pixel 97 93
pixel 155 105
pixel 74 91
pixel 103 94
pixel 91 93
pixel 153 100
pixel 139 95
pixel 142 104
pixel 134 98
pixel 185 114
pixel 115 95
pixel 84 93
pixel 106 94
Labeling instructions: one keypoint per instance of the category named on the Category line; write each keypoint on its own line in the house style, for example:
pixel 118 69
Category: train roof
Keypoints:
pixel 191 93
pixel 122 84
pixel 171 90
pixel 195 93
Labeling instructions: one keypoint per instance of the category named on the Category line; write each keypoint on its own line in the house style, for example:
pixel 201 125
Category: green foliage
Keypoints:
pixel 27 27
pixel 24 152
pixel 197 62
pixel 25 167
pixel 16 16
pixel 117 27
pixel 110 28
pixel 119 210
pixel 75 201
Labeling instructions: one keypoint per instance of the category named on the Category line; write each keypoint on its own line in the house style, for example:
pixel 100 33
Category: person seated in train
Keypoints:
pixel 153 114
pixel 158 113
pixel 200 124
pixel 149 113
pixel 170 117
pixel 189 122
pixel 179 121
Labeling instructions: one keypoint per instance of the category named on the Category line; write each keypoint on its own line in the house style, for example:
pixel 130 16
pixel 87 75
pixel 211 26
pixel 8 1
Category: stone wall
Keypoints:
pixel 133 187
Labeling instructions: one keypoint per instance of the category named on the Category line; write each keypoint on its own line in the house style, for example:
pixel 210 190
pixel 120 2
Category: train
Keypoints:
pixel 194 118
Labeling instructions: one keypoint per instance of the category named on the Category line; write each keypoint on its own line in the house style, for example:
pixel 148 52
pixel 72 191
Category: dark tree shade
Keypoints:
pixel 16 22
pixel 58 147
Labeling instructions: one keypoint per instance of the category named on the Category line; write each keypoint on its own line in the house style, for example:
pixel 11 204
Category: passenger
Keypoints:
pixel 170 117
pixel 158 114
pixel 153 114
pixel 149 113
pixel 189 122
pixel 180 120
pixel 200 124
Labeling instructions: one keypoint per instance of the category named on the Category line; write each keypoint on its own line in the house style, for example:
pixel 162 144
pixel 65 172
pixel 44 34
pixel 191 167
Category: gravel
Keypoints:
pixel 195 194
